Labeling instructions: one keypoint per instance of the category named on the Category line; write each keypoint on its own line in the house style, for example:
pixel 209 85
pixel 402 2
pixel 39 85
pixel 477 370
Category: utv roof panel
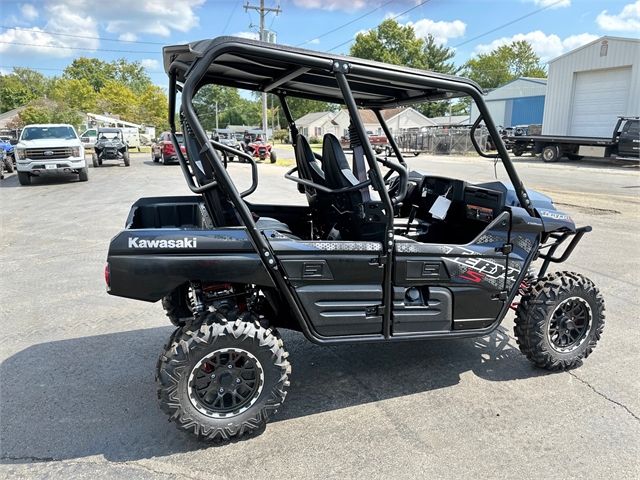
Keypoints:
pixel 258 66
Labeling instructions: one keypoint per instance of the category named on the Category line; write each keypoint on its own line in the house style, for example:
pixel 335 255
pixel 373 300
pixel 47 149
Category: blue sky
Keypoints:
pixel 31 31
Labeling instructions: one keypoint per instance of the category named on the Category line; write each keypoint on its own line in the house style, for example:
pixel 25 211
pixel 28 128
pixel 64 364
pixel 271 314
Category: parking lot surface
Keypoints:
pixel 77 393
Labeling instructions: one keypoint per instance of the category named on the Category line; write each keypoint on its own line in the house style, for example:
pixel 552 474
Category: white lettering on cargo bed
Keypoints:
pixel 135 242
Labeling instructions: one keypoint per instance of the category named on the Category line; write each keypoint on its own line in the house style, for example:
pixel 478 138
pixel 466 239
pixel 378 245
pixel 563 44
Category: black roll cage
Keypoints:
pixel 194 75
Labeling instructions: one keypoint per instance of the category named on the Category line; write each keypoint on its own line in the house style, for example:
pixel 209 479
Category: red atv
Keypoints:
pixel 254 145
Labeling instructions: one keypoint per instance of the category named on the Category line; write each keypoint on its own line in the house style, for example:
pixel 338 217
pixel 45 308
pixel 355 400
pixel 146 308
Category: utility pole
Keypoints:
pixel 263 12
pixel 216 117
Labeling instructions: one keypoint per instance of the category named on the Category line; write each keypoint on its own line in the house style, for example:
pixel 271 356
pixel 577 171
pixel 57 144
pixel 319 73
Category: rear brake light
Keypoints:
pixel 107 275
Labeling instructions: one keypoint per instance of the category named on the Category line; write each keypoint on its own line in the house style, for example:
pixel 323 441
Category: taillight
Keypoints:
pixel 107 275
pixel 168 147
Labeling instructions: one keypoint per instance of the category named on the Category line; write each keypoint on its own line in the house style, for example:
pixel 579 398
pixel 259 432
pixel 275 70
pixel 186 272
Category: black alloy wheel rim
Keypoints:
pixel 570 324
pixel 226 382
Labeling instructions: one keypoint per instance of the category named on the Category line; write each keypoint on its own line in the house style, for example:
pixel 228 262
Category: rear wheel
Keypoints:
pixel 177 306
pixel 517 152
pixel 24 178
pixel 223 377
pixel 8 164
pixel 387 151
pixel 560 320
pixel 94 159
pixel 550 153
pixel 125 157
pixel 83 174
pixel 273 157
pixel 153 156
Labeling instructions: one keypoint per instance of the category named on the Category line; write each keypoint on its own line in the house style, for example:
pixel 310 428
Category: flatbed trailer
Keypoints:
pixel 624 143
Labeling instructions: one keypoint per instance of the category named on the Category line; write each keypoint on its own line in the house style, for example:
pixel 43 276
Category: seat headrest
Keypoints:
pixel 308 166
pixel 336 167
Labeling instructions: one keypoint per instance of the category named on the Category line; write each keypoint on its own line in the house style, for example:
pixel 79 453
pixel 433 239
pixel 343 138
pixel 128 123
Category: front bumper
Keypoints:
pixel 59 166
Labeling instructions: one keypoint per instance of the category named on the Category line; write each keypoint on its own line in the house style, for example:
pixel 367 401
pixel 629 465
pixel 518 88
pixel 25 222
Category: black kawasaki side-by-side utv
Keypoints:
pixel 110 145
pixel 373 257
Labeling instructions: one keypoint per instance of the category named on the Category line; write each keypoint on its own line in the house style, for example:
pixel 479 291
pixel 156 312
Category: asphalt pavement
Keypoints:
pixel 77 393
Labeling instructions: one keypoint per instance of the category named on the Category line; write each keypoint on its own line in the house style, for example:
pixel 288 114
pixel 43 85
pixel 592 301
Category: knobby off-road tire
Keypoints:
pixel 8 164
pixel 241 358
pixel 176 306
pixel 127 160
pixel 560 320
pixel 94 159
pixel 273 158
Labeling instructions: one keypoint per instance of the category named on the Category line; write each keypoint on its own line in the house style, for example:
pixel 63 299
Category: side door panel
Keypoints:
pixel 453 287
pixel 338 283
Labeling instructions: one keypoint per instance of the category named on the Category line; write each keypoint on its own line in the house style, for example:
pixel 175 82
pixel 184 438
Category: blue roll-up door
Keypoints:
pixel 527 110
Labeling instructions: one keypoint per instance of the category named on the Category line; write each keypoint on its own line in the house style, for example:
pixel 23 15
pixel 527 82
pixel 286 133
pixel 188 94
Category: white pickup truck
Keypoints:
pixel 50 149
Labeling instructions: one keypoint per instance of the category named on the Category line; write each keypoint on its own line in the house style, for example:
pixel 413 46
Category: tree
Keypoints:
pixel 153 108
pixel 49 111
pixel 77 94
pixel 131 74
pixel 301 106
pixel 13 93
pixel 393 43
pixel 116 99
pixel 32 80
pixel 93 70
pixel 503 64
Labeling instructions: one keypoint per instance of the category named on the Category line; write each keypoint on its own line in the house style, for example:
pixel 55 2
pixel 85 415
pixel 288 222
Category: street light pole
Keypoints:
pixel 263 12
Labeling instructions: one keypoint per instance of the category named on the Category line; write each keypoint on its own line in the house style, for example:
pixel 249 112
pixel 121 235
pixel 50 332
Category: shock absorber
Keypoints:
pixel 198 305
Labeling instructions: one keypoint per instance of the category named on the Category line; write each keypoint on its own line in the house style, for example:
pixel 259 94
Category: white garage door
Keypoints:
pixel 599 97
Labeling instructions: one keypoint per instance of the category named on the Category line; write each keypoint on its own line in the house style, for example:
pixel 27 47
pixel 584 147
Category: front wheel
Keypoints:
pixel 273 157
pixel 24 178
pixel 221 378
pixel 83 174
pixel 94 160
pixel 127 160
pixel 8 164
pixel 387 151
pixel 560 320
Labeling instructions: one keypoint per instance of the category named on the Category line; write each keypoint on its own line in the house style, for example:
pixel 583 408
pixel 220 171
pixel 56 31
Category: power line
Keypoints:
pixel 509 23
pixel 348 23
pixel 77 48
pixel 81 36
pixel 397 16
pixel 230 16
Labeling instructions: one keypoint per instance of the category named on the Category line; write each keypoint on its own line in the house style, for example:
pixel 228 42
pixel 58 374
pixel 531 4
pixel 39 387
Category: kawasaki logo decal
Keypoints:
pixel 183 243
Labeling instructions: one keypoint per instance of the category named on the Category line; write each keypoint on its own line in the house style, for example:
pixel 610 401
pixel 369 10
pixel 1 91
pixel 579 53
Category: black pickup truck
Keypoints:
pixel 624 143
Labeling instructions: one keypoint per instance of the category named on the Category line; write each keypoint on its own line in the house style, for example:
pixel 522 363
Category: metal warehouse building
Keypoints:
pixel 518 102
pixel 591 86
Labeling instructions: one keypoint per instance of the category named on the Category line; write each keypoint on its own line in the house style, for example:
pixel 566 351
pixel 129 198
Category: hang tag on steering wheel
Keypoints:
pixel 441 206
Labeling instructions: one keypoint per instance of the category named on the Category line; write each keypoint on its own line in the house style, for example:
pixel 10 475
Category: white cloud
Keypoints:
pixel 393 15
pixel 36 41
pixel 545 46
pixel 349 6
pixel 128 37
pixel 249 35
pixel 441 31
pixel 363 32
pixel 158 17
pixel 554 3
pixel 29 11
pixel 628 20
pixel 150 64
pixel 315 41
